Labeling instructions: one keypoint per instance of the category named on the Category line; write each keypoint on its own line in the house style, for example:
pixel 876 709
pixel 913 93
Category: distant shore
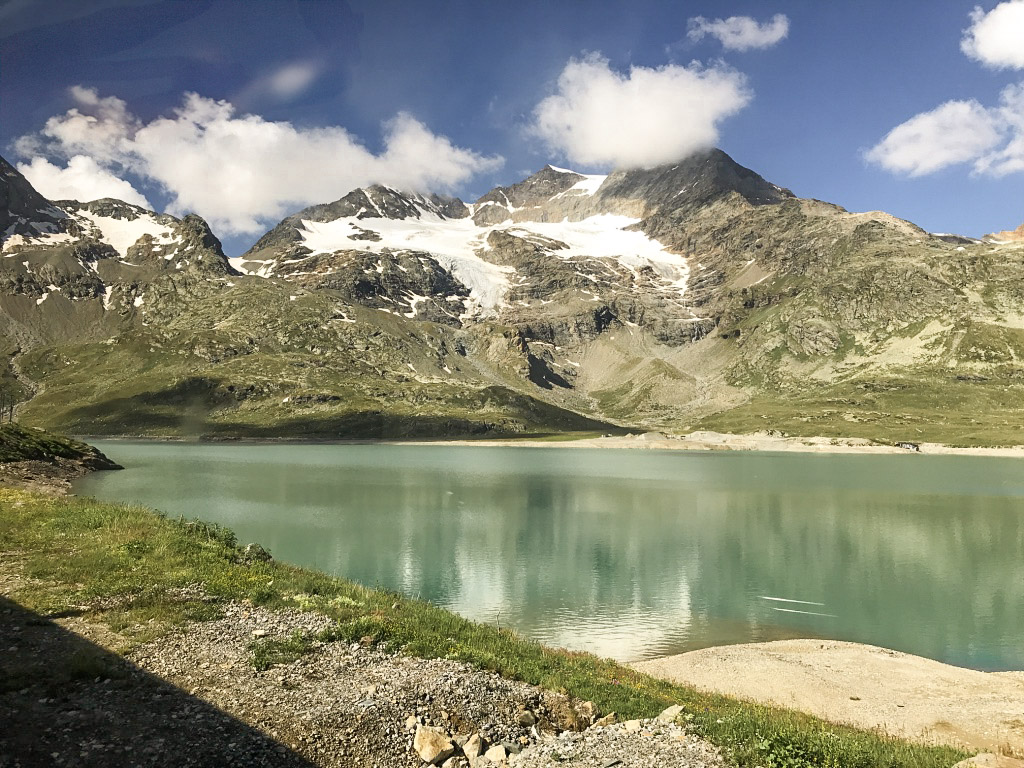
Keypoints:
pixel 717 441
pixel 768 442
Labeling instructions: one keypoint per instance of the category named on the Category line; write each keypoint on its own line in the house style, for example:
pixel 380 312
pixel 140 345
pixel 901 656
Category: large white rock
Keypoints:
pixel 432 744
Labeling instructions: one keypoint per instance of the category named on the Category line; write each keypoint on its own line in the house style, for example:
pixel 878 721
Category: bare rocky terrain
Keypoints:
pixel 193 698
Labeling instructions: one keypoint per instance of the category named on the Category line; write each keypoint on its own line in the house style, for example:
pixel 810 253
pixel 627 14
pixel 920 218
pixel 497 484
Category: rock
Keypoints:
pixel 527 718
pixel 411 722
pixel 632 726
pixel 455 762
pixel 432 744
pixel 474 747
pixel 670 714
pixel 589 711
pixel 259 633
pixel 254 553
pixel 608 719
pixel 496 754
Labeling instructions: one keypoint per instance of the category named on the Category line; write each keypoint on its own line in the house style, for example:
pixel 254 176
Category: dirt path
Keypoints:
pixel 865 686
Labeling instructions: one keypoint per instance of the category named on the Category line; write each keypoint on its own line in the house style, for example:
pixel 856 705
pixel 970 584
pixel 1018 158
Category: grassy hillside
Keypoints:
pixel 18 443
pixel 129 564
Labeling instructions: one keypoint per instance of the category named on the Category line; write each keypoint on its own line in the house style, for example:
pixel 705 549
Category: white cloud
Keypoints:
pixel 82 179
pixel 996 38
pixel 292 79
pixel 740 33
pixel 281 84
pixel 992 139
pixel 599 117
pixel 100 128
pixel 1010 113
pixel 954 132
pixel 242 172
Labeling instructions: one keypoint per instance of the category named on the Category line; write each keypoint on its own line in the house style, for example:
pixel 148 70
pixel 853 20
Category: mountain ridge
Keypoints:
pixel 693 294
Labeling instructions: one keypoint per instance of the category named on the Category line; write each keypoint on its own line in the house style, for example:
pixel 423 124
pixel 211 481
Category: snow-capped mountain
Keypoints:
pixel 68 257
pixel 411 256
pixel 691 293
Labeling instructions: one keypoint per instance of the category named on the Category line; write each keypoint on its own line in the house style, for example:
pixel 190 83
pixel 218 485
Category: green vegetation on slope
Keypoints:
pixel 932 405
pixel 130 564
pixel 18 443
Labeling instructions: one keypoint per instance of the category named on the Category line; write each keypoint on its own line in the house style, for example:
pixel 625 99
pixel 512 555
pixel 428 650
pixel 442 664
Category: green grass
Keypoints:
pixel 937 405
pixel 267 652
pixel 18 443
pixel 130 566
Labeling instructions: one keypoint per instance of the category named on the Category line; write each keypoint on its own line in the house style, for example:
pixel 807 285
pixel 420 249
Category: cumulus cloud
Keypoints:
pixel 740 33
pixel 82 179
pixel 100 128
pixel 1010 115
pixel 991 139
pixel 600 117
pixel 241 171
pixel 996 38
pixel 955 132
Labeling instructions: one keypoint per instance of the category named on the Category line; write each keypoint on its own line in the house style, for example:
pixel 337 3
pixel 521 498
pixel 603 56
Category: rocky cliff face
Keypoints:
pixel 1007 236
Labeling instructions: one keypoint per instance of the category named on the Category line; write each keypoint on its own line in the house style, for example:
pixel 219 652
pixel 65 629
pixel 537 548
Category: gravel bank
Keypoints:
pixel 193 698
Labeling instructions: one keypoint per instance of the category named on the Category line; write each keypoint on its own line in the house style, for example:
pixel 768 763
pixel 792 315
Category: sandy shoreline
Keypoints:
pixel 716 441
pixel 653 441
pixel 865 686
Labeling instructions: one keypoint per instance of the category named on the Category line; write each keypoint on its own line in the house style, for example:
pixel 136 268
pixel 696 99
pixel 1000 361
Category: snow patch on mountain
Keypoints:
pixel 588 185
pixel 452 242
pixel 122 234
pixel 45 240
pixel 607 236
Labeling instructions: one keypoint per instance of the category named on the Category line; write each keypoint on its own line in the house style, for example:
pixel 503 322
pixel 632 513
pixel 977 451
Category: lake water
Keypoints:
pixel 629 553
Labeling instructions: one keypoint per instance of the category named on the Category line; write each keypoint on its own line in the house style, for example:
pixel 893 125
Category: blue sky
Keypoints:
pixel 447 94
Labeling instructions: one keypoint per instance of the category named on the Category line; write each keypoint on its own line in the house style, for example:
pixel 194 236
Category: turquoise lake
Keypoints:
pixel 630 553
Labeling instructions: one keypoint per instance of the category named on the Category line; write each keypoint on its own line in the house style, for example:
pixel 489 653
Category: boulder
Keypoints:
pixel 527 718
pixel 432 744
pixel 669 715
pixel 474 747
pixel 496 754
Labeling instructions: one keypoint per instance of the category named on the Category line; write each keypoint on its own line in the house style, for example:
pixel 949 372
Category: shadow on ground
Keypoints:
pixel 65 701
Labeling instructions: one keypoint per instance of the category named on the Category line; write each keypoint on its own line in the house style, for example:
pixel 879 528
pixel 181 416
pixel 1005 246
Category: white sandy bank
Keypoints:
pixel 865 686
pixel 717 441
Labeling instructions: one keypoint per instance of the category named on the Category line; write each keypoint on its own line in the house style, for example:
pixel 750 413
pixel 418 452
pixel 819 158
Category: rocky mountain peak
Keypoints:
pixel 374 202
pixel 529 199
pixel 691 183
pixel 23 211
pixel 534 190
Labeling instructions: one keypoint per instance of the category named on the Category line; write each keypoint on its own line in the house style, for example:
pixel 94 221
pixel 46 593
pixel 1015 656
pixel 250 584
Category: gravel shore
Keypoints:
pixel 192 697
